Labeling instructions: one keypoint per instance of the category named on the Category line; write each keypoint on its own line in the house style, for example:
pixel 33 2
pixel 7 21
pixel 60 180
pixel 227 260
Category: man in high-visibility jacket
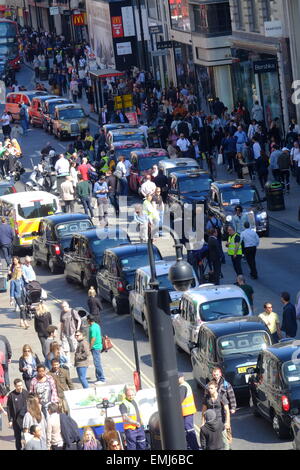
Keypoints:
pixel 133 427
pixel 235 252
pixel 188 411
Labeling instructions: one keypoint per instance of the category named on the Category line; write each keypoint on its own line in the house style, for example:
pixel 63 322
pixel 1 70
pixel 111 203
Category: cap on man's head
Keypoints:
pixel 285 149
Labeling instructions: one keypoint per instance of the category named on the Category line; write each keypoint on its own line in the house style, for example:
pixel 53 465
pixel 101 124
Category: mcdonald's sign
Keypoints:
pixel 78 20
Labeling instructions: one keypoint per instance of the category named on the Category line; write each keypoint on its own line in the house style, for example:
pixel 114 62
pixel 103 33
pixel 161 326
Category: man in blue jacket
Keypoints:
pixel 6 240
pixel 289 321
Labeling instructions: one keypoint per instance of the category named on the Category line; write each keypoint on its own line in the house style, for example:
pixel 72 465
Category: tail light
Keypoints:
pixel 120 286
pixel 14 189
pixel 57 250
pixel 285 403
pixel 16 228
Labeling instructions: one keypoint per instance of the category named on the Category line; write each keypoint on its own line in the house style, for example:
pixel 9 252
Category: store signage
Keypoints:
pixel 167 44
pixel 124 48
pixel 273 29
pixel 117 27
pixel 158 29
pixel 78 20
pixel 54 10
pixel 265 66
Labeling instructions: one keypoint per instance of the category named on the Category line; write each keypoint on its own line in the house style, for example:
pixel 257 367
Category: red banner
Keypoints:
pixel 117 27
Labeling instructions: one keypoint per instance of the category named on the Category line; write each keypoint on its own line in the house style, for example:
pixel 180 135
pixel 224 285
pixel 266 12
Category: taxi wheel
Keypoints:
pixel 117 306
pixel 52 267
pixel 280 429
pixel 59 136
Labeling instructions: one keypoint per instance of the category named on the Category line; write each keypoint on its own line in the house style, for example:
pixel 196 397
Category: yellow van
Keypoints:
pixel 24 212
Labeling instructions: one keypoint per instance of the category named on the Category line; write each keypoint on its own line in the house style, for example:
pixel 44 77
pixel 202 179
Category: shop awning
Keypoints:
pixel 106 73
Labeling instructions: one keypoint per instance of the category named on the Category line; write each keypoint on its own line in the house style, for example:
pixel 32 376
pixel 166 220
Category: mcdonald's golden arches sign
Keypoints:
pixel 78 19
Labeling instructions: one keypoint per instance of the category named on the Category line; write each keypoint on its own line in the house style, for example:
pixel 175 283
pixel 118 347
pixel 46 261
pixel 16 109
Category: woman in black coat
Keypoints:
pixel 42 319
pixel 94 304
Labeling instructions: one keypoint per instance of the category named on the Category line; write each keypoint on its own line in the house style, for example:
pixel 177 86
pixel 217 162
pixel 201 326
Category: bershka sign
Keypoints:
pixel 273 29
pixel 78 19
pixel 265 66
pixel 117 27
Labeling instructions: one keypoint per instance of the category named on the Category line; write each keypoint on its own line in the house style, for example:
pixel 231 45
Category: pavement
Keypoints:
pixel 278 260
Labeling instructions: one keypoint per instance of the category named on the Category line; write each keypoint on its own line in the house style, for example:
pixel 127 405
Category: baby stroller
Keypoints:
pixel 34 294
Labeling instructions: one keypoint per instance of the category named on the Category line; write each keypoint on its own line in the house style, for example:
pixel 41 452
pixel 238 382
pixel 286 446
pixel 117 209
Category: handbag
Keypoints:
pixel 3 390
pixel 106 343
pixel 118 173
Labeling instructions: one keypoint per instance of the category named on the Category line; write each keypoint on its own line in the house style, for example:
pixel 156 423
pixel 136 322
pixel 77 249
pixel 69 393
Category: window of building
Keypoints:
pixel 238 14
pixel 266 10
pixel 152 9
pixel 180 17
pixel 212 19
pixel 253 15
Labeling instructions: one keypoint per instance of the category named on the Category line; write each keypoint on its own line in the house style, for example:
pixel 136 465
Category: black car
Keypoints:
pixel 54 237
pixel 118 270
pixel 85 256
pixel 233 345
pixel 188 195
pixel 7 187
pixel 275 386
pixel 226 195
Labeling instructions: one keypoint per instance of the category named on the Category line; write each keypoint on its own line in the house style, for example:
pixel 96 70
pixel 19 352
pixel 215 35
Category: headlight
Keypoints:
pixel 263 215
pixel 229 218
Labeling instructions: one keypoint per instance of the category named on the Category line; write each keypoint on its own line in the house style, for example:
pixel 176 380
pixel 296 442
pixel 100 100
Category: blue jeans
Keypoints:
pixel 98 366
pixel 81 372
pixel 86 202
pixel 24 125
pixel 5 252
pixel 136 439
pixel 123 186
pixel 190 433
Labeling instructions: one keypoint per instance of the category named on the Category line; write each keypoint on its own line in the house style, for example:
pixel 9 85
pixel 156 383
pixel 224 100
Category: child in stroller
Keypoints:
pixel 34 294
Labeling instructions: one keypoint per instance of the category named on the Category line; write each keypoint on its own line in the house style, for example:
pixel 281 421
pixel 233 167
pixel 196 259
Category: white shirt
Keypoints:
pixel 121 166
pixel 145 130
pixel 295 154
pixel 62 166
pixel 183 144
pixel 5 119
pixel 148 188
pixel 250 238
pixel 256 150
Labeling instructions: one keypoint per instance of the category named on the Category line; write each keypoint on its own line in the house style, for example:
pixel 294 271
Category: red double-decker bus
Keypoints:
pixel 9 46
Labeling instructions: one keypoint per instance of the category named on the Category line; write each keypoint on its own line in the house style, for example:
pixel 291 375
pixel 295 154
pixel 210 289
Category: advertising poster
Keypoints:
pixel 99 25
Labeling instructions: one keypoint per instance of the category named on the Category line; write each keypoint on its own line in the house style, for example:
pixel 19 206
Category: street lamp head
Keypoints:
pixel 181 275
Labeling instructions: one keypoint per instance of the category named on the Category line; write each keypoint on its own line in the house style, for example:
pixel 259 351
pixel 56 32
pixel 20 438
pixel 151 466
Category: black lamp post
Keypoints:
pixel 163 347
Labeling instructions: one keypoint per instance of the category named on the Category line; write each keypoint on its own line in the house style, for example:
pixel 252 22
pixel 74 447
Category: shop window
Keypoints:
pixel 212 19
pixel 180 16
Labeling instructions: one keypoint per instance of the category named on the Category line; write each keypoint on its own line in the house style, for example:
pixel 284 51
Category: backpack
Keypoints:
pixel 284 161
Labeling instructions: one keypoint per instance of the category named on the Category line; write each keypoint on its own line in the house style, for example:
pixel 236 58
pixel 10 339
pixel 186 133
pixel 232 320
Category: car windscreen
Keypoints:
pixel 232 196
pixel 164 281
pixel 36 209
pixel 70 228
pixel 180 168
pixel 194 184
pixel 133 136
pixel 291 372
pixel 136 260
pixel 71 114
pixel 51 106
pixel 100 245
pixel 216 309
pixel 243 343
pixel 148 162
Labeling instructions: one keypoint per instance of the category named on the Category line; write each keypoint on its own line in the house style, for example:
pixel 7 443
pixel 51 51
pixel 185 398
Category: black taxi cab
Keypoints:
pixel 233 345
pixel 275 386
pixel 54 235
pixel 84 257
pixel 129 134
pixel 226 195
pixel 48 108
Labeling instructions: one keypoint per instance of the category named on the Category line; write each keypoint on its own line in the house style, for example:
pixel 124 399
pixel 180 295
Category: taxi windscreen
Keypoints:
pixel 234 196
pixel 148 162
pixel 194 184
pixel 216 309
pixel 72 113
pixel 250 342
pixel 136 260
pixel 36 209
pixel 129 136
pixel 69 228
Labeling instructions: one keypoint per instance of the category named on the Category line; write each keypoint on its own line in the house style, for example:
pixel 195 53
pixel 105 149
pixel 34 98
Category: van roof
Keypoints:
pixel 29 196
pixel 208 292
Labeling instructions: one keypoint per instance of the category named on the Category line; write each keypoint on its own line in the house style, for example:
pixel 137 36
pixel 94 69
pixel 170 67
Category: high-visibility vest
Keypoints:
pixel 188 405
pixel 105 167
pixel 231 246
pixel 131 413
pixel 149 211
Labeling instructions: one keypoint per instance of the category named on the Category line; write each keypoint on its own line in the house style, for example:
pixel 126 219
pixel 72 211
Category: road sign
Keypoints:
pixel 157 29
pixel 54 11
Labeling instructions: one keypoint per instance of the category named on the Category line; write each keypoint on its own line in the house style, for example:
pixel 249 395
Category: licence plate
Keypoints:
pixel 243 370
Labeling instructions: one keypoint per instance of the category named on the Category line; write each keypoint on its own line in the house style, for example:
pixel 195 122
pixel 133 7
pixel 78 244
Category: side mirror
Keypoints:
pixel 129 287
pixel 192 345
